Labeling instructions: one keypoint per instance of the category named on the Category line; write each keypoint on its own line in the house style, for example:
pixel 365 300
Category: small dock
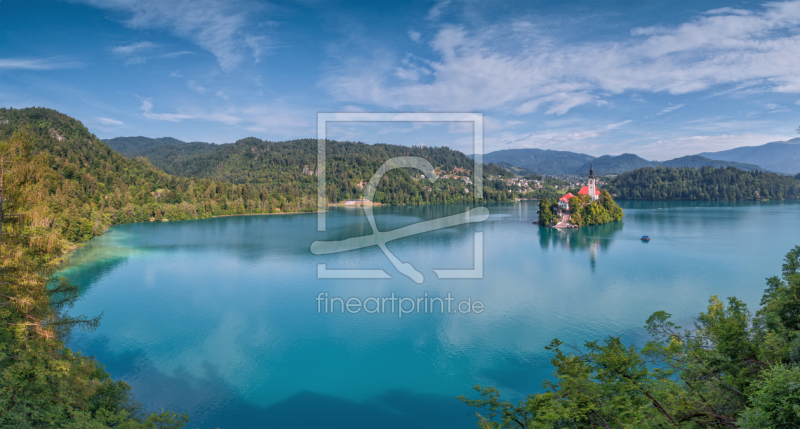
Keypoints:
pixel 564 223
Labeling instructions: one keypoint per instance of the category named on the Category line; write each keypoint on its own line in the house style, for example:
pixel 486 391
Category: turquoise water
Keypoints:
pixel 219 318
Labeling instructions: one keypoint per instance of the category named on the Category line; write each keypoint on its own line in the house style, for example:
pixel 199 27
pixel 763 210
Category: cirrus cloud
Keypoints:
pixel 517 69
pixel 218 26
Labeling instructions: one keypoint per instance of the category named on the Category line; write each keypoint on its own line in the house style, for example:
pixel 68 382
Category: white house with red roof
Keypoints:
pixel 563 202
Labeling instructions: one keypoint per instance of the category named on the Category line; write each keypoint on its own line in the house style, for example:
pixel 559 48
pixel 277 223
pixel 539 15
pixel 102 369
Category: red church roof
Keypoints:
pixel 585 191
pixel 566 197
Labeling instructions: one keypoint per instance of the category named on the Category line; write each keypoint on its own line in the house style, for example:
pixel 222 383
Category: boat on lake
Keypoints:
pixel 645 238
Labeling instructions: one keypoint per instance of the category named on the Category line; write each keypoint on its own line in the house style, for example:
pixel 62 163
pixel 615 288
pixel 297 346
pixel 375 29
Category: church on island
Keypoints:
pixel 590 189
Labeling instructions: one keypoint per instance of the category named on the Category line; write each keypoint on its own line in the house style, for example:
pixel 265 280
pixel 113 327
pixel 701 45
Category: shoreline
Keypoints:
pixel 245 214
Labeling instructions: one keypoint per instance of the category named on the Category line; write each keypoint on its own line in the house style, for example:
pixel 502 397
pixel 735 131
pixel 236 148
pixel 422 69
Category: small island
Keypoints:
pixel 590 207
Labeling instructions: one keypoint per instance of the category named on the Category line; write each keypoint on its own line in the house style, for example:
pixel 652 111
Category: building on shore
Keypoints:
pixel 563 202
pixel 359 202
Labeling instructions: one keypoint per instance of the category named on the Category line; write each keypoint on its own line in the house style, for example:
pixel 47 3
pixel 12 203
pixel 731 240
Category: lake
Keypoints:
pixel 220 318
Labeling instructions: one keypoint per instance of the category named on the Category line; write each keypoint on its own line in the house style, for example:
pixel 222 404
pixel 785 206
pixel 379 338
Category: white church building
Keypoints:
pixel 590 189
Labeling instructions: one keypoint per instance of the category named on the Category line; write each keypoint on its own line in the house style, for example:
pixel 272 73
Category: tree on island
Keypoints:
pixel 584 211
pixel 546 216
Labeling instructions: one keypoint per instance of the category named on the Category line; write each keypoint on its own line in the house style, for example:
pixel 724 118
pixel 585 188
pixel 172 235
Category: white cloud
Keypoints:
pixel 557 139
pixel 133 48
pixel 352 109
pixel 460 128
pixel 50 63
pixel 258 44
pixel 492 124
pixel 276 119
pixel 560 102
pixel 217 26
pixel 727 11
pixel 414 35
pixel 515 68
pixel 436 11
pixel 618 124
pixel 669 148
pixel 273 119
pixel 147 112
pixel 670 109
pixel 221 94
pixel 109 121
pixel 140 52
pixel 194 86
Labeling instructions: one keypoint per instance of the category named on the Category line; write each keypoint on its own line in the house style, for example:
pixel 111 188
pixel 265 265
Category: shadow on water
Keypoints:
pixel 211 402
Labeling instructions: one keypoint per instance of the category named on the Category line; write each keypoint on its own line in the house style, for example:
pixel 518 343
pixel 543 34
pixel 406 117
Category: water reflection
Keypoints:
pixel 593 238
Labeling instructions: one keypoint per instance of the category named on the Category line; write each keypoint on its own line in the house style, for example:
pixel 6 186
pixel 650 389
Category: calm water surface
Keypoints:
pixel 218 318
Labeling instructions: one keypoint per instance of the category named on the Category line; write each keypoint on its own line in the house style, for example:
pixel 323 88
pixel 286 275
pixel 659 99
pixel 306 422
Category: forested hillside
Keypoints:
pixel 697 161
pixel 90 186
pixel 164 149
pixel 289 167
pixel 704 184
pixel 49 200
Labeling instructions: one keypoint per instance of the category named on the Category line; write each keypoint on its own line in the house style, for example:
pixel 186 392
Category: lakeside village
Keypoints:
pixel 590 207
pixel 459 180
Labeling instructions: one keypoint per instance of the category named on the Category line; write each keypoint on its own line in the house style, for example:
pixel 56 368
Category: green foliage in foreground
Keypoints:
pixel 43 384
pixel 704 184
pixel 732 369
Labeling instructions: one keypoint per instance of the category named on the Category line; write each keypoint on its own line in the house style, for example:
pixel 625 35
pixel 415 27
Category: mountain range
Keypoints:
pixel 779 157
pixel 173 156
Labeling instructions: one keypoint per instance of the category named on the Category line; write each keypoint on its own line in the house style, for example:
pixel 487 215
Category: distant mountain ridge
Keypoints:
pixel 167 150
pixel 555 163
pixel 619 164
pixel 781 157
pixel 173 156
pixel 541 161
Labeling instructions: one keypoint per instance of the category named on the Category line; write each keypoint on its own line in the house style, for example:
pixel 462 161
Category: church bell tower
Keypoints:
pixel 592 186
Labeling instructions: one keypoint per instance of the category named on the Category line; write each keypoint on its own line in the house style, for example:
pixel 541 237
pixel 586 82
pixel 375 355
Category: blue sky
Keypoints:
pixel 659 79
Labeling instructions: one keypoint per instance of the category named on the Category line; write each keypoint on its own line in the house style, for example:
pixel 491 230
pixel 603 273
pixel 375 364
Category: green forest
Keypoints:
pixel 703 184
pixel 43 384
pixel 583 211
pixel 731 369
pixel 91 187
pixel 289 169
